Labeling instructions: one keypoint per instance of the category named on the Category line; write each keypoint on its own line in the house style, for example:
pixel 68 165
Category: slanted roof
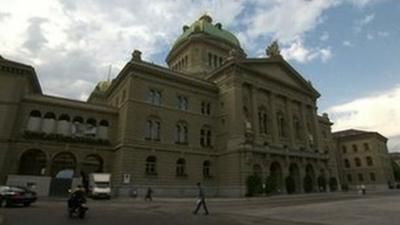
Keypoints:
pixel 20 68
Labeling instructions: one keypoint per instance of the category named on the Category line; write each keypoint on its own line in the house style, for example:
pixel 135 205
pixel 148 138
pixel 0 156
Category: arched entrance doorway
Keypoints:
pixel 91 164
pixel 274 182
pixel 63 168
pixel 293 180
pixel 333 184
pixel 322 181
pixel 309 179
pixel 32 162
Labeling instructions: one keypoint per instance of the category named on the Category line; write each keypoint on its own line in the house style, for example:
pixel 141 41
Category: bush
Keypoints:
pixel 254 185
pixel 290 185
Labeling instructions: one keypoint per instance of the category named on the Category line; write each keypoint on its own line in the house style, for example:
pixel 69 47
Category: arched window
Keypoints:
pixel 206 169
pixel 35 113
pixel 91 128
pixel 104 123
pixel 64 117
pixel 183 103
pixel 153 129
pixel 50 115
pixel 262 120
pixel 357 161
pixel 92 163
pixel 180 167
pixel 205 136
pixel 181 135
pixel 151 165
pixel 370 162
pixel 281 124
pixel 77 128
pixel 32 162
pixel 366 147
pixel 355 149
pixel 62 161
pixel 34 121
pixel 347 163
pixel 49 123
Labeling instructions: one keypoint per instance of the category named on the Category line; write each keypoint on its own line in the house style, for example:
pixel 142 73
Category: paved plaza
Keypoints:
pixel 316 209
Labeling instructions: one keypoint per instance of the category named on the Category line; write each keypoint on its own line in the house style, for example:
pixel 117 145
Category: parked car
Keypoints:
pixel 15 195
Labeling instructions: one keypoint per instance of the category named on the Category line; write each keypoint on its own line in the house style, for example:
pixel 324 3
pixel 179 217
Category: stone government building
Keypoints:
pixel 214 115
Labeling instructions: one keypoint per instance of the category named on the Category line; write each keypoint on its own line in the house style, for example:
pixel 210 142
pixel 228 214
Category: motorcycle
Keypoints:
pixel 79 211
pixel 77 204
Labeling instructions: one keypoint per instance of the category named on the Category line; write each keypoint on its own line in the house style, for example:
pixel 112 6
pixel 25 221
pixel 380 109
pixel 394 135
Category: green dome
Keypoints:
pixel 103 86
pixel 204 25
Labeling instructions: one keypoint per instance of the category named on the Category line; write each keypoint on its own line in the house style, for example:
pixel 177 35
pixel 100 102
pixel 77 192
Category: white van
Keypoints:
pixel 99 185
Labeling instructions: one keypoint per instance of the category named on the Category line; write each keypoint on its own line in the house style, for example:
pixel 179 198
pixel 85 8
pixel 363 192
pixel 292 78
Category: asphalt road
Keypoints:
pixel 285 210
pixel 103 212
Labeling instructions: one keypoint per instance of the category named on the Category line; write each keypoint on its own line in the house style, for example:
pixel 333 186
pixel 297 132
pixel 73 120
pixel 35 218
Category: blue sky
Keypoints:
pixel 349 49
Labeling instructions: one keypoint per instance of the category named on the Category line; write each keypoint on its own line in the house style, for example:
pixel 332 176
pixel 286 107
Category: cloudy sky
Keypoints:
pixel 349 49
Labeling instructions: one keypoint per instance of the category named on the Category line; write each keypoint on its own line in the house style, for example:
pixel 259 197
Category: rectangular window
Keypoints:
pixel 366 147
pixel 349 178
pixel 209 59
pixel 215 61
pixel 372 176
pixel 182 103
pixel 360 177
pixel 205 108
pixel 154 97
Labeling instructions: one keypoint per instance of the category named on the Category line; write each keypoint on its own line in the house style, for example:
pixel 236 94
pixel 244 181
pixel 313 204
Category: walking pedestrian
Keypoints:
pixel 201 200
pixel 363 189
pixel 148 196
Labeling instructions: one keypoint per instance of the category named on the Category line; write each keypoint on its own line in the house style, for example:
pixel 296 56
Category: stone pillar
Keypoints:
pixel 289 112
pixel 302 174
pixel 304 124
pixel 274 130
pixel 256 125
pixel 317 138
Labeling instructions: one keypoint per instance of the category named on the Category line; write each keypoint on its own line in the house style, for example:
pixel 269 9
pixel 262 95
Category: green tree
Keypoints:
pixel 254 185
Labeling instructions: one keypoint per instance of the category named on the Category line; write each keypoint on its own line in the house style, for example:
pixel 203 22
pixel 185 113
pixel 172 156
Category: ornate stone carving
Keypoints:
pixel 136 55
pixel 273 49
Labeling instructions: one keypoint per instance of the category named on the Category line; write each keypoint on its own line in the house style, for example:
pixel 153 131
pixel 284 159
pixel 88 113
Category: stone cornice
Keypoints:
pixel 69 103
pixel 20 69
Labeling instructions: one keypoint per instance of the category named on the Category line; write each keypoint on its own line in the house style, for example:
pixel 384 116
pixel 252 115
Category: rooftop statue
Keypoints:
pixel 273 49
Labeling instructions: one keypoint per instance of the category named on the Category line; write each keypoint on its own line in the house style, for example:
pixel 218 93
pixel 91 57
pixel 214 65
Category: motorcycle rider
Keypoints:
pixel 76 198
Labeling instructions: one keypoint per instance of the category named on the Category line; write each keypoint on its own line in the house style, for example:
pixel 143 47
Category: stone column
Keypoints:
pixel 289 113
pixel 303 109
pixel 317 138
pixel 274 130
pixel 254 103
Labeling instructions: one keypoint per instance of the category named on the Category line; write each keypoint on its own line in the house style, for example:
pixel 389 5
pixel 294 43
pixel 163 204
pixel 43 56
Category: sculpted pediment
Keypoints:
pixel 279 71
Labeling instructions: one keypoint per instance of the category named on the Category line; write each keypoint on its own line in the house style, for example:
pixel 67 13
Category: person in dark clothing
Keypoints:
pixel 201 200
pixel 76 198
pixel 148 196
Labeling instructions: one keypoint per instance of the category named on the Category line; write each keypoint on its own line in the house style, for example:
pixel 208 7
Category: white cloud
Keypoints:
pixel 379 112
pixel 348 44
pixel 286 20
pixel 89 35
pixel 324 36
pixel 359 24
pixel 298 52
pixel 370 36
pixel 383 33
